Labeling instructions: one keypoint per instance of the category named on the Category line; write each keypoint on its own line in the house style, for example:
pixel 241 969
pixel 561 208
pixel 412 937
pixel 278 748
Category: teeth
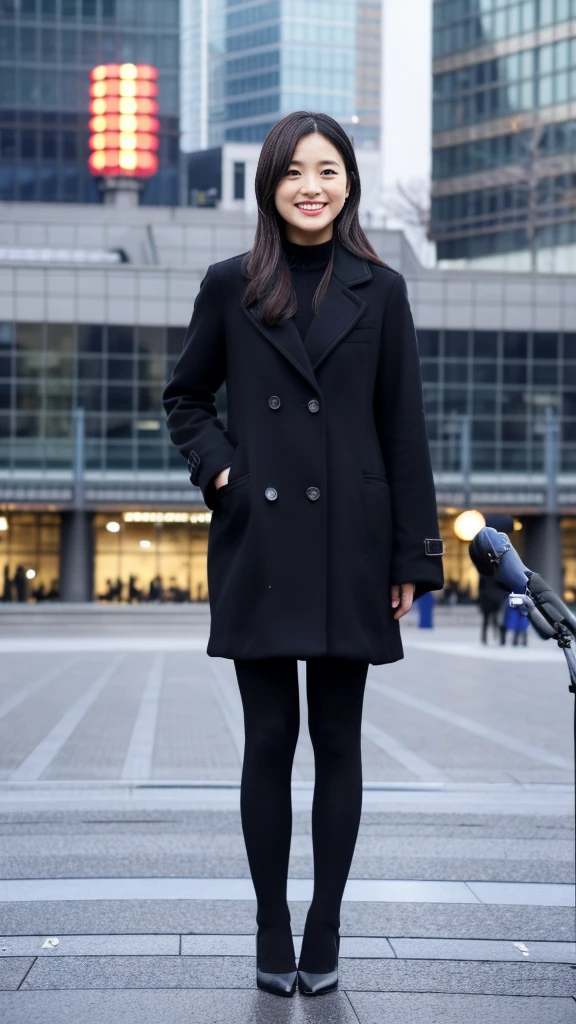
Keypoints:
pixel 310 206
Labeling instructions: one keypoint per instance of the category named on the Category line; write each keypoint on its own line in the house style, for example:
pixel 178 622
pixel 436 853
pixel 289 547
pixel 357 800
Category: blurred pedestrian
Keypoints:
pixel 518 624
pixel 134 592
pixel 324 507
pixel 20 584
pixel 155 589
pixel 491 599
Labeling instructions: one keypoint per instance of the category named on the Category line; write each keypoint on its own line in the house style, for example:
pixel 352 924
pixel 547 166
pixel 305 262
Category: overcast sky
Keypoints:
pixel 406 92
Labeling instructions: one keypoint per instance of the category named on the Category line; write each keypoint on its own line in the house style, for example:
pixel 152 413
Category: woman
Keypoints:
pixel 324 525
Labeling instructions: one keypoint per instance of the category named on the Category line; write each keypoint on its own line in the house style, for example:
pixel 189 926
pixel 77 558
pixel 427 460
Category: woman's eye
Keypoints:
pixel 328 170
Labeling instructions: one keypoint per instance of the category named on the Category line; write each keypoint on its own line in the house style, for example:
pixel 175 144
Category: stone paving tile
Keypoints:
pixel 426 1008
pixel 192 738
pixel 437 826
pixel 91 945
pixel 97 747
pixel 184 1007
pixel 470 921
pixel 124 972
pixel 207 864
pixel 13 970
pixel 520 893
pixel 243 945
pixel 523 979
pixel 382 890
pixel 356 975
pixel 474 949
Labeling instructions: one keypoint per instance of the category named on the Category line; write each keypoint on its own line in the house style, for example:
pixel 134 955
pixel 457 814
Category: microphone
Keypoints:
pixel 493 554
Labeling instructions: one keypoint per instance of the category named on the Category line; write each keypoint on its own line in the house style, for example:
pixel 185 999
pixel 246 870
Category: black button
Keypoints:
pixel 314 405
pixel 274 402
pixel 313 493
pixel 271 493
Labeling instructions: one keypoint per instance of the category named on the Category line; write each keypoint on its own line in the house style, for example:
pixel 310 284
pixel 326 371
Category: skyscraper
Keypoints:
pixel 47 48
pixel 247 63
pixel 504 133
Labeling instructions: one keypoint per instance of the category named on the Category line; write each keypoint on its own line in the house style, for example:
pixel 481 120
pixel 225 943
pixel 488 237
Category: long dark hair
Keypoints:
pixel 266 266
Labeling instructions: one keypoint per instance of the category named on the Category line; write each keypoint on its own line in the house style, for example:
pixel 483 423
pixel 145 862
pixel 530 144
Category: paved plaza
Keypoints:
pixel 120 754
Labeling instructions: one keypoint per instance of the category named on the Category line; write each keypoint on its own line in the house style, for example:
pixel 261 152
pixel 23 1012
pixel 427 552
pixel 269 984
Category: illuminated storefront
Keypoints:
pixel 145 555
pixel 153 555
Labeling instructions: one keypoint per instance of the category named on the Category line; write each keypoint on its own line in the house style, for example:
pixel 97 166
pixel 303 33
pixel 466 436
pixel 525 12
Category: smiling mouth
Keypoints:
pixel 311 206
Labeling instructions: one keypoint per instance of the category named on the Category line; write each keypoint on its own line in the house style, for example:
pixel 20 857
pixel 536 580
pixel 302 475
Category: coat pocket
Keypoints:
pixel 232 484
pixel 363 331
pixel 375 478
pixel 239 468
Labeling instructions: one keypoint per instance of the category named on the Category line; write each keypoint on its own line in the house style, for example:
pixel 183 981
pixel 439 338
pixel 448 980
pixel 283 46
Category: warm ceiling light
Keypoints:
pixel 113 527
pixel 3 523
pixel 30 574
pixel 468 524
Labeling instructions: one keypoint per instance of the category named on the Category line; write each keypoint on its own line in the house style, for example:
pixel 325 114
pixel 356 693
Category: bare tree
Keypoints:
pixel 410 203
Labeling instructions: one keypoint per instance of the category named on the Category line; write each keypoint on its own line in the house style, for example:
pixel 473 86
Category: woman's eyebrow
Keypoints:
pixel 335 162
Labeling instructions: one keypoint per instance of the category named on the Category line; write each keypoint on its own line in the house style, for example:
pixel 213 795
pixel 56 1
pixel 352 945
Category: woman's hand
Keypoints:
pixel 402 601
pixel 222 477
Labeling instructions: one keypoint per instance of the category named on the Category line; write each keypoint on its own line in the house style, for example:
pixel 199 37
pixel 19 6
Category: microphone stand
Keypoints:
pixel 493 554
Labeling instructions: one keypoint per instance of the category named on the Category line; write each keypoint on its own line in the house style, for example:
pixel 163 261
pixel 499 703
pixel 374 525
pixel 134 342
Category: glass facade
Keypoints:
pixel 502 102
pixel 505 85
pixel 116 374
pixel 502 381
pixel 461 25
pixel 267 59
pixel 47 48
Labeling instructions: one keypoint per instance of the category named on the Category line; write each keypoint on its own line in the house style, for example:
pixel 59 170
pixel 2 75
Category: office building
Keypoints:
pixel 47 49
pixel 246 64
pixel 94 303
pixel 504 133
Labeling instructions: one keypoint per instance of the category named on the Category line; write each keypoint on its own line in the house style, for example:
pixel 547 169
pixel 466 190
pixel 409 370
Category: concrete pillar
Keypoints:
pixel 77 556
pixel 543 550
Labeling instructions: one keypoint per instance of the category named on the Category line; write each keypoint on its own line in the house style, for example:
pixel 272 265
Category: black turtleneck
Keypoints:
pixel 307 265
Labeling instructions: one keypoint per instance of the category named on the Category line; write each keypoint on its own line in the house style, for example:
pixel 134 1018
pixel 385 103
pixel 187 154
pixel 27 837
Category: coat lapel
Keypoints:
pixel 337 315
pixel 341 308
pixel 285 336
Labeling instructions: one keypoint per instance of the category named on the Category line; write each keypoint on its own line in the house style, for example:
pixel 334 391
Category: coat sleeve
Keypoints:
pixel 189 397
pixel 401 426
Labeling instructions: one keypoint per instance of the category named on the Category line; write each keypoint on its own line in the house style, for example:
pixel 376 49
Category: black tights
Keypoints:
pixel 335 693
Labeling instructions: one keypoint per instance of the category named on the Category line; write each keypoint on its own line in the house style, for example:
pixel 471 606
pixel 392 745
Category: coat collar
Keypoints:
pixel 337 315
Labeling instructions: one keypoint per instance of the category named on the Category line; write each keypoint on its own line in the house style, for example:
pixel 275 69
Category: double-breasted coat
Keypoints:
pixel 330 497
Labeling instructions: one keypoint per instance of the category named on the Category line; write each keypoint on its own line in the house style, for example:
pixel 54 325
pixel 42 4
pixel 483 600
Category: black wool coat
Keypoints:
pixel 330 497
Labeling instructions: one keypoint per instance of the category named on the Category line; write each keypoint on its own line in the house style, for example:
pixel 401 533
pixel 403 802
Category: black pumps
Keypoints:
pixel 276 984
pixel 312 984
pixel 317 984
pixel 308 982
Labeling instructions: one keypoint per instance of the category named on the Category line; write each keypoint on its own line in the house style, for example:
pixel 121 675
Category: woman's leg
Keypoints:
pixel 269 692
pixel 335 691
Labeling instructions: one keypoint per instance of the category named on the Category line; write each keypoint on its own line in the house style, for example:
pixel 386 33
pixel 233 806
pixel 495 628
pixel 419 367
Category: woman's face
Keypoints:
pixel 316 176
